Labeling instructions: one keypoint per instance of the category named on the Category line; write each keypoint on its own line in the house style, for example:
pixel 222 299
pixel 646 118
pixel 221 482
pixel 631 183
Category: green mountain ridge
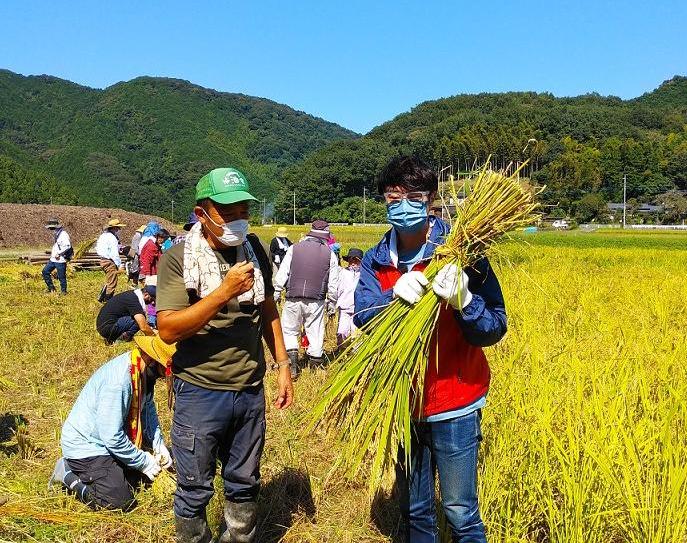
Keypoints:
pixel 580 147
pixel 141 143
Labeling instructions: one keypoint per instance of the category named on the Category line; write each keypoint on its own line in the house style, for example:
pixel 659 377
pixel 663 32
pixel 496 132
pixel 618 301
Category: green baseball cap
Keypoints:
pixel 224 186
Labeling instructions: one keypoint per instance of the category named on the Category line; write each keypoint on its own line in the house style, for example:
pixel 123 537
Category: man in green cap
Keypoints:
pixel 215 299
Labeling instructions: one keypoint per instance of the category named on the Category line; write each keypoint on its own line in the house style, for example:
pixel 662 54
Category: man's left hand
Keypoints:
pixel 163 456
pixel 285 385
pixel 451 284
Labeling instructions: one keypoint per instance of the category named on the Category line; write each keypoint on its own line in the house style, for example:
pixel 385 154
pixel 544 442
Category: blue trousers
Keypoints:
pixel 61 268
pixel 123 324
pixel 210 425
pixel 447 448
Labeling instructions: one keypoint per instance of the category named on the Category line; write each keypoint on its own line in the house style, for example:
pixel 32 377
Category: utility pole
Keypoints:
pixel 624 198
pixel 294 208
pixel 264 204
pixel 364 195
pixel 172 210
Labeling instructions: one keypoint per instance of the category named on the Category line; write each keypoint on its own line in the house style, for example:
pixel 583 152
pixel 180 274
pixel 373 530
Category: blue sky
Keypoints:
pixel 357 63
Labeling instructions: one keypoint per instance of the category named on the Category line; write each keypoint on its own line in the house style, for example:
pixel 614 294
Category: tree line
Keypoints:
pixel 580 148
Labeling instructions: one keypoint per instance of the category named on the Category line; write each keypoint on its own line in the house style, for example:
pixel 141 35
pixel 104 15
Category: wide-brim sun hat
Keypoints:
pixel 157 349
pixel 53 224
pixel 282 232
pixel 353 252
pixel 115 223
pixel 224 186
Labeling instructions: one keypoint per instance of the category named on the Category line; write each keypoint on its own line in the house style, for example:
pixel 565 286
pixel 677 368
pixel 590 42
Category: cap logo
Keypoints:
pixel 232 179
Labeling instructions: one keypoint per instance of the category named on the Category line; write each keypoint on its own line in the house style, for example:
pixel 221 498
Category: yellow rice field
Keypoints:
pixel 585 431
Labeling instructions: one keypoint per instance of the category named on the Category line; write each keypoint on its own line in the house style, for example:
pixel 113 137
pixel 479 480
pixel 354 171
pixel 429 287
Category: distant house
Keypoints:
pixel 648 208
pixel 643 208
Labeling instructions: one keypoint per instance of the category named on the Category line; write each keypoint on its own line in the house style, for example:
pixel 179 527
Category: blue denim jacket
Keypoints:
pixel 96 424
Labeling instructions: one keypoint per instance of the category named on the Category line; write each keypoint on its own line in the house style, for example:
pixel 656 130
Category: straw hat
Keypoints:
pixel 114 223
pixel 282 232
pixel 154 347
pixel 141 229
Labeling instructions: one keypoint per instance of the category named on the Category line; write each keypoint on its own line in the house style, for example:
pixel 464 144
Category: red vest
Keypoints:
pixel 463 373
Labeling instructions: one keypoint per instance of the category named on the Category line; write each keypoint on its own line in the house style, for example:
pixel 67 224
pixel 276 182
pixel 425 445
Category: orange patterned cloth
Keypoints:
pixel 134 428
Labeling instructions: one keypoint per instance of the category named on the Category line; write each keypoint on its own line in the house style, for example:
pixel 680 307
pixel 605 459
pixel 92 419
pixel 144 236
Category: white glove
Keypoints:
pixel 163 456
pixel 410 287
pixel 151 468
pixel 331 309
pixel 451 284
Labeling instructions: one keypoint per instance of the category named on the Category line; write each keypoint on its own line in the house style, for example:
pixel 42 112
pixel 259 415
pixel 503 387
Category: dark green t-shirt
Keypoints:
pixel 227 354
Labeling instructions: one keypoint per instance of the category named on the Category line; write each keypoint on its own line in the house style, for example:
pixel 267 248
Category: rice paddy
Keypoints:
pixel 584 430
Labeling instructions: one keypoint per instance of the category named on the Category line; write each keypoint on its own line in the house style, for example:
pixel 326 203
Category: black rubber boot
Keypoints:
pixel 101 296
pixel 241 520
pixel 316 362
pixel 293 358
pixel 192 530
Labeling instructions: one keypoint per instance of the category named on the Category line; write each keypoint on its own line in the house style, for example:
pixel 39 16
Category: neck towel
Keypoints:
pixel 134 428
pixel 201 267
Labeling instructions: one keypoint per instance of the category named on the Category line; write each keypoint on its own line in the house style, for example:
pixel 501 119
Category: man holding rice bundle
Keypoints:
pixel 111 421
pixel 446 434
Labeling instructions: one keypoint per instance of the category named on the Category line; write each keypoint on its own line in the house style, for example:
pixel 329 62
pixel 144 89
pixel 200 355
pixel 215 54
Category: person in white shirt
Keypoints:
pixel 61 252
pixel 107 248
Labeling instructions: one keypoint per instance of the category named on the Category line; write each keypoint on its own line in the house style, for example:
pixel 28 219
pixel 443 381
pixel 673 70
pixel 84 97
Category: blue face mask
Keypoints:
pixel 407 217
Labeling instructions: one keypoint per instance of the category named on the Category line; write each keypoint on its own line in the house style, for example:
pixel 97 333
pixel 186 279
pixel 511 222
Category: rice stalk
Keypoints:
pixel 82 248
pixel 378 381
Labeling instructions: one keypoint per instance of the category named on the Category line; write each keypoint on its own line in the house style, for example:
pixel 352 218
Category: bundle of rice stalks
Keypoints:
pixel 378 381
pixel 82 248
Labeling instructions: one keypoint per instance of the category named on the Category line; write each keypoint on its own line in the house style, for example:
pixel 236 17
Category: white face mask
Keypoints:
pixel 233 233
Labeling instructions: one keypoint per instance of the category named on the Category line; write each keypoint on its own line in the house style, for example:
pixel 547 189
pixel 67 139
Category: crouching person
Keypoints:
pixel 112 419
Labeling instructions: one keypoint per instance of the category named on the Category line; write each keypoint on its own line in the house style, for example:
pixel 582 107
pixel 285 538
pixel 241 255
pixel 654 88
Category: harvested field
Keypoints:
pixel 583 431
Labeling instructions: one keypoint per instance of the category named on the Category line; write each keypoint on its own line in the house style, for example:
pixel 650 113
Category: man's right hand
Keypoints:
pixel 239 279
pixel 152 467
pixel 411 286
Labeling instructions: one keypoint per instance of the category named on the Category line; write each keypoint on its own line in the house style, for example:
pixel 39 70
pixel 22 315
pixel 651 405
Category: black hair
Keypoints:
pixel 164 233
pixel 409 173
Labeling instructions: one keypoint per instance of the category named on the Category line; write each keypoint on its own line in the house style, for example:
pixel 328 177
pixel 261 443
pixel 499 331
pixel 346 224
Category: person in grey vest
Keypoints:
pixel 309 274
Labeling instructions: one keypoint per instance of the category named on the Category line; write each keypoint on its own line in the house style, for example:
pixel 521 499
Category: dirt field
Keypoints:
pixel 22 225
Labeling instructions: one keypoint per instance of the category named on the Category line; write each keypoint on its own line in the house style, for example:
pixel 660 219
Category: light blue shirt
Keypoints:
pixel 480 403
pixel 96 424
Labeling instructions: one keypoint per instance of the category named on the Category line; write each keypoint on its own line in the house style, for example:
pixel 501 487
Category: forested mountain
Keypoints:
pixel 579 147
pixel 141 143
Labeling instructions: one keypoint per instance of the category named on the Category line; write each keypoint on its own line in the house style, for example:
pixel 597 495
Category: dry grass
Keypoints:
pixel 584 428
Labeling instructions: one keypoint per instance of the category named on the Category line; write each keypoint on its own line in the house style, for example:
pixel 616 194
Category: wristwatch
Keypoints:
pixel 279 365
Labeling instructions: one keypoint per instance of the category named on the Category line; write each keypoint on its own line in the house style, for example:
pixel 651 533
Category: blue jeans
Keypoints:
pixel 61 268
pixel 211 424
pixel 447 448
pixel 123 324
